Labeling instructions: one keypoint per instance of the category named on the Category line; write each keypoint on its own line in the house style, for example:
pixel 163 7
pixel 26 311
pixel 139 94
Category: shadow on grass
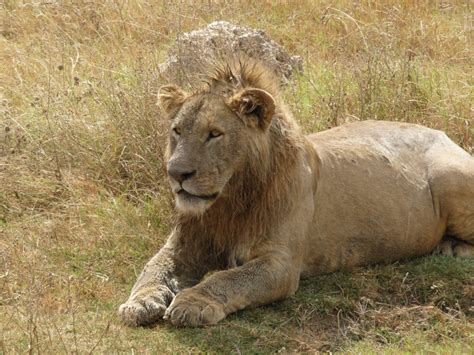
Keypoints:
pixel 331 312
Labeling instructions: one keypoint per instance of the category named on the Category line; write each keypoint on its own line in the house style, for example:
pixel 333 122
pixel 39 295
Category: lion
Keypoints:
pixel 259 205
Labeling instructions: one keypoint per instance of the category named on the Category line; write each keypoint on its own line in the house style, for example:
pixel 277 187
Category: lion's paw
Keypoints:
pixel 193 309
pixel 144 309
pixel 463 250
pixel 455 247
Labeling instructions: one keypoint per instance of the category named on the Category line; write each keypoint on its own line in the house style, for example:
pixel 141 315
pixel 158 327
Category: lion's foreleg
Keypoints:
pixel 161 279
pixel 260 281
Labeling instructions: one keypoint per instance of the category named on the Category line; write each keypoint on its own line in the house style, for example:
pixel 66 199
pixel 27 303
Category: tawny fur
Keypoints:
pixel 260 205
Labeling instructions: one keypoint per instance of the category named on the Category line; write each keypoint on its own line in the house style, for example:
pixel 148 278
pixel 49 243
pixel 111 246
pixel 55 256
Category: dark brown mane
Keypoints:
pixel 259 193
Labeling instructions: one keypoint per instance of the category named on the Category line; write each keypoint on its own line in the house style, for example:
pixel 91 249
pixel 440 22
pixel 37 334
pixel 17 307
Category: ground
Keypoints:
pixel 84 202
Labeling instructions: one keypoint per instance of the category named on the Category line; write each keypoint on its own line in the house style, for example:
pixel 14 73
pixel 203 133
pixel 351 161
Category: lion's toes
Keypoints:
pixel 185 315
pixel 142 311
pixel 455 247
pixel 463 250
pixel 191 309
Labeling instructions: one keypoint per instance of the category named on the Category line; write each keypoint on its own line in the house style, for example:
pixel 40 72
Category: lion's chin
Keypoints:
pixel 187 203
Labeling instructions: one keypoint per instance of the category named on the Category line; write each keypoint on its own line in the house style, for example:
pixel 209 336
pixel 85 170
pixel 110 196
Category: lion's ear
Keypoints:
pixel 170 98
pixel 255 104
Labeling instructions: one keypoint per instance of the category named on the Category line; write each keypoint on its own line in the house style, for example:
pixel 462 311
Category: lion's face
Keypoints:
pixel 203 151
pixel 208 142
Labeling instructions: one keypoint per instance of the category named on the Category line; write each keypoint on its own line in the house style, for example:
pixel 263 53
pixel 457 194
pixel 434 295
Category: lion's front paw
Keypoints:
pixel 145 308
pixel 192 309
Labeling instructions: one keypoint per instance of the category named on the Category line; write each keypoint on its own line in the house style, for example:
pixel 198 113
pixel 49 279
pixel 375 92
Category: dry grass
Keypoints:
pixel 83 199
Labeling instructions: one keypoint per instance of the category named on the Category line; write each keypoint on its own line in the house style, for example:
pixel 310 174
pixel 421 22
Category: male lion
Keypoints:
pixel 262 205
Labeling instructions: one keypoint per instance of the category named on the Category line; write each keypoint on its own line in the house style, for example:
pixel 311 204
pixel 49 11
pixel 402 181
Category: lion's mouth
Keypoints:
pixel 190 196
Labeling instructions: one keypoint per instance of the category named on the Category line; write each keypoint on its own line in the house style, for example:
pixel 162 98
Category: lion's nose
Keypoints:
pixel 180 175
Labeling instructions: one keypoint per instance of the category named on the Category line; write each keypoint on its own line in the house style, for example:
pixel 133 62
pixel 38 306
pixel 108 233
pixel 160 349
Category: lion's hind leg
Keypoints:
pixel 452 178
pixel 460 216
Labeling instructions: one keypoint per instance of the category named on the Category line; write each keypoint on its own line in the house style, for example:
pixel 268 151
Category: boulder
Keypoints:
pixel 193 51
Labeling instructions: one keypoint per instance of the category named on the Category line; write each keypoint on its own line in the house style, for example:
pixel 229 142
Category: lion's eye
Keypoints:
pixel 214 134
pixel 177 131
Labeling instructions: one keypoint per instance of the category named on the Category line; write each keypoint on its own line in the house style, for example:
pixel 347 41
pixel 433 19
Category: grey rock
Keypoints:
pixel 193 52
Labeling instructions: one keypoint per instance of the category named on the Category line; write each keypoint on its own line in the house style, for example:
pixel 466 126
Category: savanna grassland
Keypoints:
pixel 84 202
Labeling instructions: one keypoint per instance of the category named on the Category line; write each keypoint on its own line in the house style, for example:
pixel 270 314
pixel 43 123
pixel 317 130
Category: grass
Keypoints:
pixel 84 202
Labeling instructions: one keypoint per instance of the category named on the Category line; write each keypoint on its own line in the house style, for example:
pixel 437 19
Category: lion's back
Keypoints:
pixel 392 138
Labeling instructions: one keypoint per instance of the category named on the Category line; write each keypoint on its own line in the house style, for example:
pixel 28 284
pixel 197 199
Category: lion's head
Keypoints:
pixel 214 131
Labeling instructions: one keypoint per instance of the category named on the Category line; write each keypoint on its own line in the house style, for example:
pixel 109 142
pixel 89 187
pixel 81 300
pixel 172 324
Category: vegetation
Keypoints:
pixel 84 202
